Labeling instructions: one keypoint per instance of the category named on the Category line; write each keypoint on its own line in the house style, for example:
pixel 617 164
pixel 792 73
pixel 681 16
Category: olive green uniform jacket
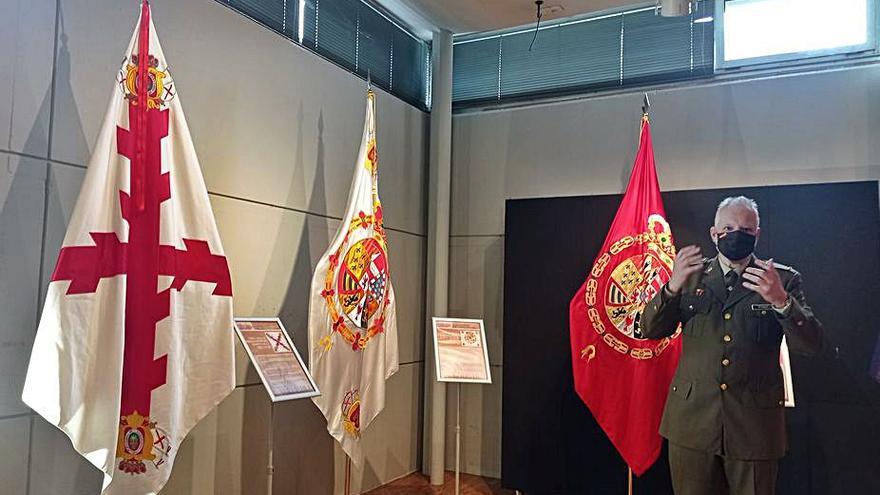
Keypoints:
pixel 727 394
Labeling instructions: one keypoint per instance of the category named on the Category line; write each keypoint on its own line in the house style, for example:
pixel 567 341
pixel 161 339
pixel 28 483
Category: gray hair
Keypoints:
pixel 741 201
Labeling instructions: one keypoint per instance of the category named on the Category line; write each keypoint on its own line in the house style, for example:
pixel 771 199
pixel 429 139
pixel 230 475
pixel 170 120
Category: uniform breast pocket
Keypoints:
pixel 694 309
pixel 764 325
pixel 692 304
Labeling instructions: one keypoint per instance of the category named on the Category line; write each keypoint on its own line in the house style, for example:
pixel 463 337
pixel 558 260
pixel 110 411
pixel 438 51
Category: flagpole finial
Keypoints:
pixel 646 106
pixel 369 82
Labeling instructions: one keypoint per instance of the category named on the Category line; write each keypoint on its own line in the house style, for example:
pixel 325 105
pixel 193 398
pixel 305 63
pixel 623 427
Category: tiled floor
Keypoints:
pixel 418 484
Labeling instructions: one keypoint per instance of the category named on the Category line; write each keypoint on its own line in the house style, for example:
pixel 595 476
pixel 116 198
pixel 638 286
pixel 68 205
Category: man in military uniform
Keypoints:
pixel 724 415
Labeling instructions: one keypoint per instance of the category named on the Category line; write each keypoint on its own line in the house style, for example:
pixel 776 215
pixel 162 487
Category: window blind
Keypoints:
pixel 617 50
pixel 354 35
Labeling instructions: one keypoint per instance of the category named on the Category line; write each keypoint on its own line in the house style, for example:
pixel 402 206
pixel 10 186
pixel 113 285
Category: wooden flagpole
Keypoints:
pixel 347 475
pixel 646 106
pixel 347 490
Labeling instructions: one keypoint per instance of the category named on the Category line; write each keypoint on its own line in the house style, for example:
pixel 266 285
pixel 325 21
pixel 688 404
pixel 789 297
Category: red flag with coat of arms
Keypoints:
pixel 622 377
pixel 135 343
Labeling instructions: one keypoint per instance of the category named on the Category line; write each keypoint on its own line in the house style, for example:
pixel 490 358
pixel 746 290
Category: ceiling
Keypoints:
pixel 467 16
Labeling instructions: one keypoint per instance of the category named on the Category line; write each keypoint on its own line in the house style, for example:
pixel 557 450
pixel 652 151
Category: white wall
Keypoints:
pixel 276 129
pixel 801 129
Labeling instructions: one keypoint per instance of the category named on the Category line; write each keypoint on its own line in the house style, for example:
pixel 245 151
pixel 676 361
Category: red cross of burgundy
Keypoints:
pixel 277 342
pixel 142 259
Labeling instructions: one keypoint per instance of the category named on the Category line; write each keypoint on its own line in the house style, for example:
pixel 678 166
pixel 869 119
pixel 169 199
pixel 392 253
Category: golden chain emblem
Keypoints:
pixel 664 343
pixel 596 320
pixel 618 345
pixel 356 283
pixel 592 285
pixel 641 353
pixel 599 267
pixel 623 243
pixel 633 281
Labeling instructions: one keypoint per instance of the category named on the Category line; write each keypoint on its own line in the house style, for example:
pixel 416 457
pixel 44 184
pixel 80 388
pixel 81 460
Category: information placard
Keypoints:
pixel 276 359
pixel 460 351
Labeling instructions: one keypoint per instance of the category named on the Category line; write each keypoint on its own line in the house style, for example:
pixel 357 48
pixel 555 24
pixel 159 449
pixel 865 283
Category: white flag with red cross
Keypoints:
pixel 135 343
pixel 352 316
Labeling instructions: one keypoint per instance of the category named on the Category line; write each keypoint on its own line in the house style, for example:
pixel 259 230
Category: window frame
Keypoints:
pixel 793 58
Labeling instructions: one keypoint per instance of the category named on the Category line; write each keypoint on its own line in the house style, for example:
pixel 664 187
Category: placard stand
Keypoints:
pixel 461 356
pixel 457 438
pixel 270 468
pixel 281 369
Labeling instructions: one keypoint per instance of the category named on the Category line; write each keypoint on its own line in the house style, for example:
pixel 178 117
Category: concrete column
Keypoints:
pixel 437 297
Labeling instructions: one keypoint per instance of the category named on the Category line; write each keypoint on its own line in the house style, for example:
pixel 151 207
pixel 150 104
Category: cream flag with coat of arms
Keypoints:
pixel 352 318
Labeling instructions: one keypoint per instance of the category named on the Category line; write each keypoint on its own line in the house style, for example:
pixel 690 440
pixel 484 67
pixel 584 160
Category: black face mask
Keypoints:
pixel 736 245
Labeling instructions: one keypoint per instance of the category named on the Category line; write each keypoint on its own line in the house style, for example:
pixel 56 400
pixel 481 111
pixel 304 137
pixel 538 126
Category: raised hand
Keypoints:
pixel 765 280
pixel 688 261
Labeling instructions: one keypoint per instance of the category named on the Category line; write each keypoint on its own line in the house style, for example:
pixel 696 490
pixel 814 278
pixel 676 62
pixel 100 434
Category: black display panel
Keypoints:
pixel 829 232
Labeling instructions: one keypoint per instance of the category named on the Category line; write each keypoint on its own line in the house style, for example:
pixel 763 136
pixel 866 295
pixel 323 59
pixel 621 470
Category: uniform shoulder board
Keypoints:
pixel 780 266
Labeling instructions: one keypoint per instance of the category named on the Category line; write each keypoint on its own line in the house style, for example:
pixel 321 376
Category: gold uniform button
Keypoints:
pixel 727 316
pixel 691 307
pixel 800 323
pixel 782 402
pixel 727 338
pixel 723 386
pixel 725 362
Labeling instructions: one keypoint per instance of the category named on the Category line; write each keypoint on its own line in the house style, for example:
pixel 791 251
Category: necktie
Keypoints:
pixel 730 279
